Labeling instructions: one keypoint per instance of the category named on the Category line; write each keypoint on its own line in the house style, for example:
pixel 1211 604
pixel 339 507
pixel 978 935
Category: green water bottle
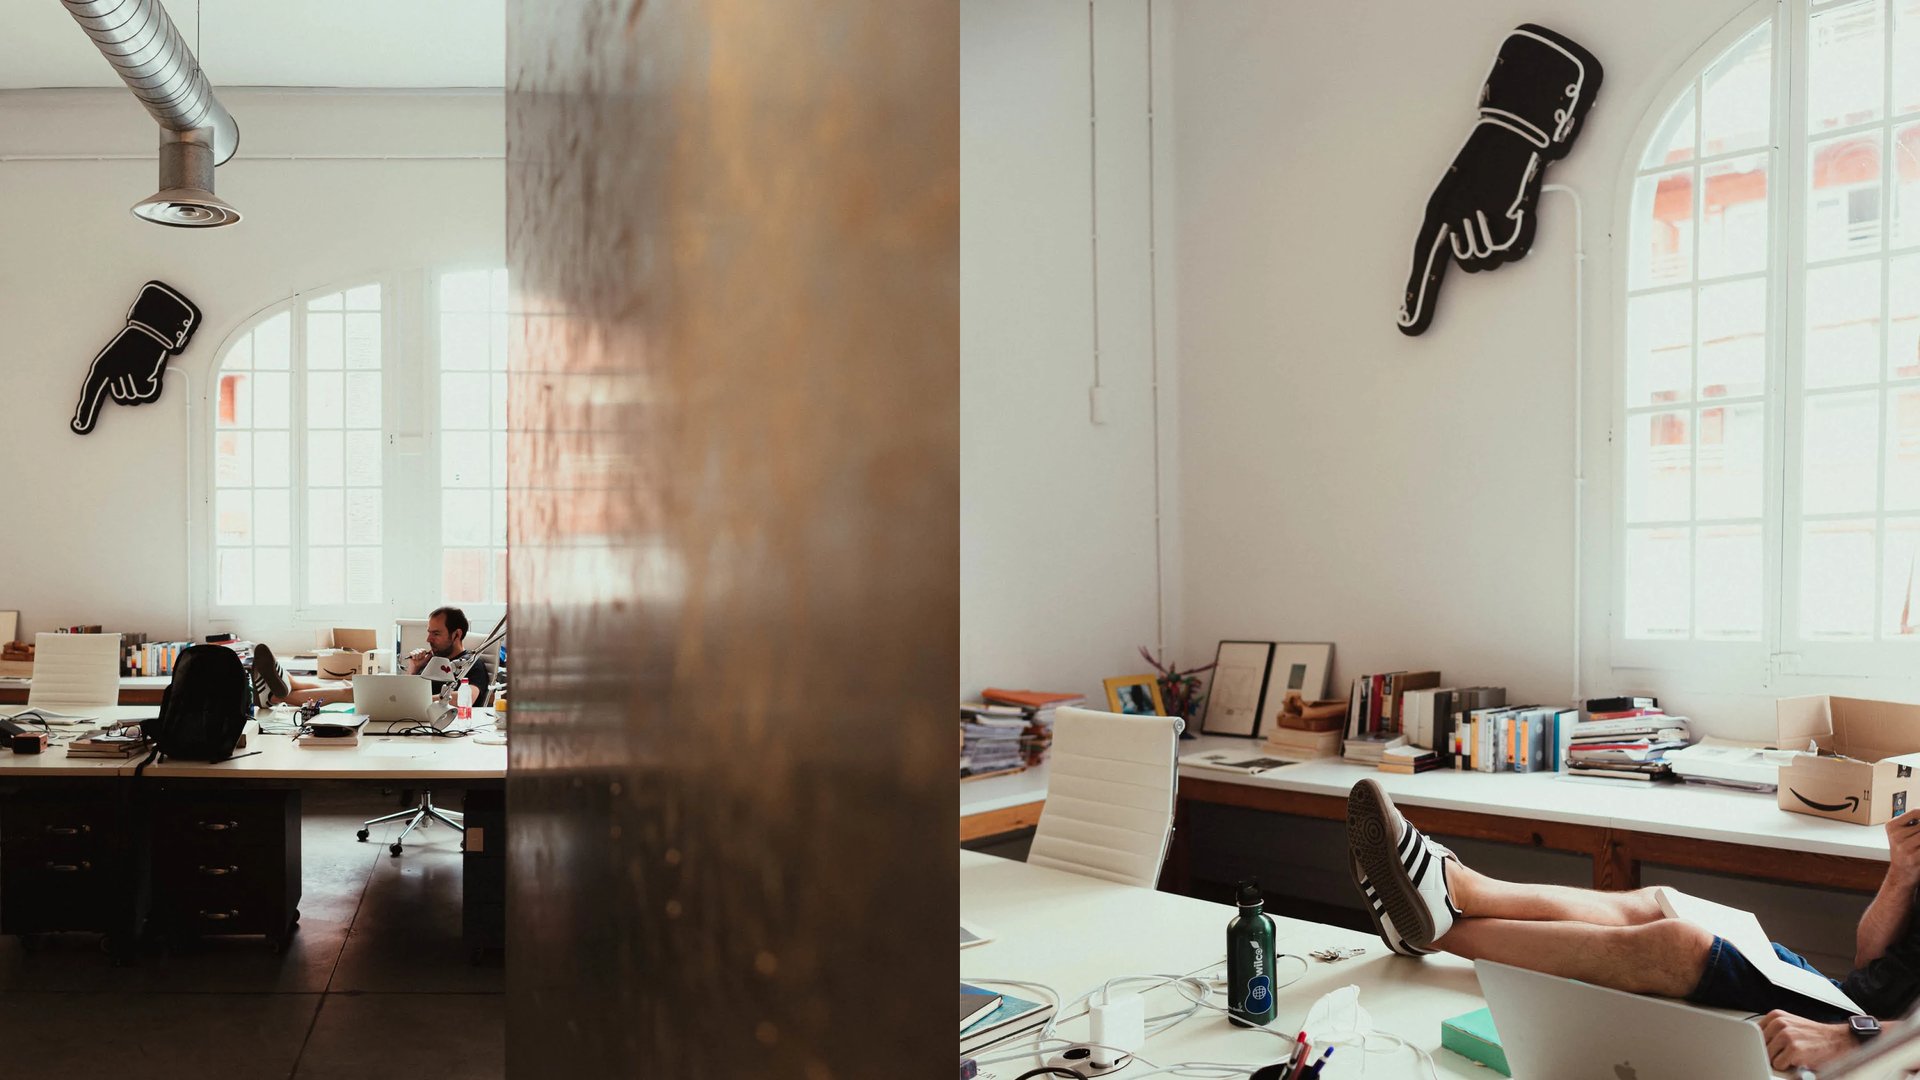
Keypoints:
pixel 1250 960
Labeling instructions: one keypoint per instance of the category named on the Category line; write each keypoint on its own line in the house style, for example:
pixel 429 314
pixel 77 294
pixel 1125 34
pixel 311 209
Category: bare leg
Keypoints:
pixel 1663 957
pixel 326 693
pixel 1480 896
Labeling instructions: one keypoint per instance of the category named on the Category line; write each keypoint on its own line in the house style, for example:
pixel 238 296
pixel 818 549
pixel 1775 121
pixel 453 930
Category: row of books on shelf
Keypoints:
pixel 1008 730
pixel 1404 722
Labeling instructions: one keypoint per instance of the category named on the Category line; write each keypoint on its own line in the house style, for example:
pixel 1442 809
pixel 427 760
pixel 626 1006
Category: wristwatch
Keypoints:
pixel 1863 1027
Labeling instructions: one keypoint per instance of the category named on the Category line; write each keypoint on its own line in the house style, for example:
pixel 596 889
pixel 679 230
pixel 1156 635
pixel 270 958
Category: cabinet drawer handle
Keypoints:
pixel 220 916
pixel 219 871
pixel 217 826
pixel 68 830
pixel 69 868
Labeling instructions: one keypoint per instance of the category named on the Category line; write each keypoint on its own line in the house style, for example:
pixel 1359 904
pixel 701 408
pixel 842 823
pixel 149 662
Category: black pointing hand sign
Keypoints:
pixel 159 325
pixel 1482 213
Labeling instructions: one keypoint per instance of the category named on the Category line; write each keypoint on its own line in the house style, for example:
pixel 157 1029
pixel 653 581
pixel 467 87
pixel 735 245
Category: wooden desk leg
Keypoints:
pixel 1176 875
pixel 1614 867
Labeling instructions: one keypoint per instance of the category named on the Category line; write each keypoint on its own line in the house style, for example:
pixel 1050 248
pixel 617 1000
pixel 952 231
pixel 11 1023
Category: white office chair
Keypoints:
pixel 1110 792
pixel 73 672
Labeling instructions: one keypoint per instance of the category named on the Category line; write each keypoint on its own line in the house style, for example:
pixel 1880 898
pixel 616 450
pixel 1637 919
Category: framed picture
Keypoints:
pixel 1135 695
pixel 1238 693
pixel 1298 669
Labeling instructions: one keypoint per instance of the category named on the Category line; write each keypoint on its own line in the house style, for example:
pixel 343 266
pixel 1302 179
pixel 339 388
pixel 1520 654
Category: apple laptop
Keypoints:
pixel 1561 1029
pixel 398 699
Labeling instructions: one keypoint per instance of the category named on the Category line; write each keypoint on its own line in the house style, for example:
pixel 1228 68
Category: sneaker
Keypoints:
pixel 269 681
pixel 1382 923
pixel 1402 868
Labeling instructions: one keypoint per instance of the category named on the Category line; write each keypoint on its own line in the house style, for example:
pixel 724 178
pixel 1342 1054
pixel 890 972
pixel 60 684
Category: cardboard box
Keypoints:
pixel 1865 772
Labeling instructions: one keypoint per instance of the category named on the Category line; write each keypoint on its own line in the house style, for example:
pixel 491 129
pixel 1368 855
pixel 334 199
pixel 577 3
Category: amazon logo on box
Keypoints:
pixel 1864 772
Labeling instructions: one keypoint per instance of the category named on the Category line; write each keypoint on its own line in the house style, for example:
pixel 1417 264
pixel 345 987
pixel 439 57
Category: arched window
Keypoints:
pixel 1768 436
pixel 358 454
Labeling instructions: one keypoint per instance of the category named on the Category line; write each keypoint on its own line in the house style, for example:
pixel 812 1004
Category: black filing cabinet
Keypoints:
pixel 484 871
pixel 68 862
pixel 225 862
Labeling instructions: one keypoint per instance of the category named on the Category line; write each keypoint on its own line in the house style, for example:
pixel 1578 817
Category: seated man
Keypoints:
pixel 447 640
pixel 1423 899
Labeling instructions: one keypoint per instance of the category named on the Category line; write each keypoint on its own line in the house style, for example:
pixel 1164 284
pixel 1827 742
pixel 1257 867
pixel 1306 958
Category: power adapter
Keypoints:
pixel 1118 1028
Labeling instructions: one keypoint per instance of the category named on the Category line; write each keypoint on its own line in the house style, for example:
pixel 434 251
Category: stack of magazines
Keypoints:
pixel 1626 739
pixel 990 739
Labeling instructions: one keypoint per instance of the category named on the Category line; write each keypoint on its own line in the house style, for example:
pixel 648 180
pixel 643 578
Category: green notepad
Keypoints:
pixel 1472 1037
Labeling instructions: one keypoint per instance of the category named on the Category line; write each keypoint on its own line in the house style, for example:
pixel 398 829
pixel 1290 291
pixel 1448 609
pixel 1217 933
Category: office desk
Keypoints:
pixel 1002 804
pixel 85 843
pixel 1617 824
pixel 134 689
pixel 1073 933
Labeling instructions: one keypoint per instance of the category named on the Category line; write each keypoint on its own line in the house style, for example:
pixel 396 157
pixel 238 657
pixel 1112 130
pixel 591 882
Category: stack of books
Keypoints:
pixel 1370 749
pixel 1408 760
pixel 116 743
pixel 990 738
pixel 1011 1016
pixel 1296 744
pixel 1625 738
pixel 1037 706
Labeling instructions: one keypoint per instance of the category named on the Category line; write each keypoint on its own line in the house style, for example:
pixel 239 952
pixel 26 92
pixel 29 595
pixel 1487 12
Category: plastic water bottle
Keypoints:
pixel 465 700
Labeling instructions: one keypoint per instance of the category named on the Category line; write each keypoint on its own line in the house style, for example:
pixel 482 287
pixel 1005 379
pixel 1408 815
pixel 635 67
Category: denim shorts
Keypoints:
pixel 1732 982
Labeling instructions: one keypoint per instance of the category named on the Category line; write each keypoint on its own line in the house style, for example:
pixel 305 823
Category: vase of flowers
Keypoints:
pixel 1179 690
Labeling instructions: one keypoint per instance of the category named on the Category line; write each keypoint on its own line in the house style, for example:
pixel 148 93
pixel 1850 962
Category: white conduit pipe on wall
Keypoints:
pixel 1579 394
pixel 186 392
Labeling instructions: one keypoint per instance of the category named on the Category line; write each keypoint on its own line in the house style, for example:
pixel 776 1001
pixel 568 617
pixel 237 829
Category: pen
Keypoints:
pixel 1300 1055
pixel 1313 1071
pixel 236 757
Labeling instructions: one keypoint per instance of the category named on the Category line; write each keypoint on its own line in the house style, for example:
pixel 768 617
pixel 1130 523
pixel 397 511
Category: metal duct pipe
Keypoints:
pixel 150 56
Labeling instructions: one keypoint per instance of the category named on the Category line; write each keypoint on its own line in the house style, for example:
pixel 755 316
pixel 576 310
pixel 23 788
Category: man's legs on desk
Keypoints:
pixel 1422 898
pixel 272 685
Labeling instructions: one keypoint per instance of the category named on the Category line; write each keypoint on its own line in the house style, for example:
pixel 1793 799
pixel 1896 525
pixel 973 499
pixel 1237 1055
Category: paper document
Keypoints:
pixel 53 717
pixel 1743 932
pixel 1720 759
pixel 1253 764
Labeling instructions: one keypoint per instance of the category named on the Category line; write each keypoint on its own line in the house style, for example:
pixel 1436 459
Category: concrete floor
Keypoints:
pixel 377 982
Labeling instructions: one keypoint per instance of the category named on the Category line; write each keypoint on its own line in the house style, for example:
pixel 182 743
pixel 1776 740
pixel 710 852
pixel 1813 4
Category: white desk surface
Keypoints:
pixel 127 682
pixel 377 757
pixel 1000 792
pixel 1738 817
pixel 1073 933
pixel 54 760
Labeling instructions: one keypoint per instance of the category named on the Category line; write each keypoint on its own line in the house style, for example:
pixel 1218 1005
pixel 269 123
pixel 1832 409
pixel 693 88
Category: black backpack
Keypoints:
pixel 205 708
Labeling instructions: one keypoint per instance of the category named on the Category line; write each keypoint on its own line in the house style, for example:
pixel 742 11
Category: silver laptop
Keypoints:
pixel 1560 1029
pixel 397 699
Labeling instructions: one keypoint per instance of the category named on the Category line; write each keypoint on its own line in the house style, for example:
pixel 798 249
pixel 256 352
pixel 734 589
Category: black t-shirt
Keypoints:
pixel 478 675
pixel 1888 986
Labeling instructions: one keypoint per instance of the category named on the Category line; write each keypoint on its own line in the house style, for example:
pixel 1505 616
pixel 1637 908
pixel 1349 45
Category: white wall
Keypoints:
pixel 1409 499
pixel 1058 563
pixel 97 525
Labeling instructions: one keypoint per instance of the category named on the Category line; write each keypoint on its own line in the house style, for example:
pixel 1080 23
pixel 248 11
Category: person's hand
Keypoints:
pixel 417 659
pixel 1903 848
pixel 1795 1041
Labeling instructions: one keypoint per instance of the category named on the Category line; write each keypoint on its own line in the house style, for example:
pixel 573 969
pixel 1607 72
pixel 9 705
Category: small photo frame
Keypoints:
pixel 1299 669
pixel 1135 695
pixel 1238 693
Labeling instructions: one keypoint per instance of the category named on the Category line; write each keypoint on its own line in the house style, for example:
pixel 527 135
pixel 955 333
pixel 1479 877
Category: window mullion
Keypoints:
pixel 1788 294
pixel 297 453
